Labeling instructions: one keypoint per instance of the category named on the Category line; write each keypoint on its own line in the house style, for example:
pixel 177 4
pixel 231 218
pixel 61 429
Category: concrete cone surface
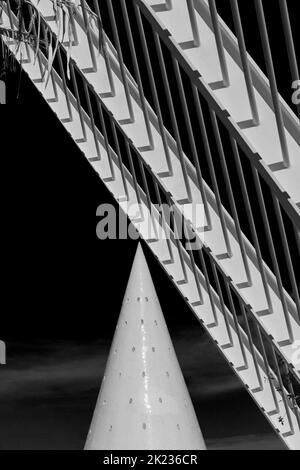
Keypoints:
pixel 143 402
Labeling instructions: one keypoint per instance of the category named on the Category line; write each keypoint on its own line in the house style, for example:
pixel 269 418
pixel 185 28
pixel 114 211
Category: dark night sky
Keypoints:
pixel 62 293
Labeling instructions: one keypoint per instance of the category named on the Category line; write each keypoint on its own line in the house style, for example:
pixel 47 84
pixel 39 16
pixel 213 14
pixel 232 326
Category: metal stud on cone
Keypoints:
pixel 143 403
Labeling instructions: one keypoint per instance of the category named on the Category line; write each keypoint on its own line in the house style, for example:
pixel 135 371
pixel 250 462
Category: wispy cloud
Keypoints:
pixel 206 372
pixel 55 368
pixel 246 442
pixel 57 383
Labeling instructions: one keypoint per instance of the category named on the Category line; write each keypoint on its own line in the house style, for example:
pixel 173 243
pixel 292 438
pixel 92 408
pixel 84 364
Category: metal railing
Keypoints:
pixel 155 62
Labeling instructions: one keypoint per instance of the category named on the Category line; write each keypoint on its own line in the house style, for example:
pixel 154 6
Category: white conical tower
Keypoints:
pixel 143 402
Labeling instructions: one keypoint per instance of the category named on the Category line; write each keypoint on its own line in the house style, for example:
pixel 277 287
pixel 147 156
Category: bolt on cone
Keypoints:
pixel 143 403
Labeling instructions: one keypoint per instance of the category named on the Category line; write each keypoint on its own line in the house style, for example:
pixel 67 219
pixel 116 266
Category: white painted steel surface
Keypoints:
pixel 143 403
pixel 263 138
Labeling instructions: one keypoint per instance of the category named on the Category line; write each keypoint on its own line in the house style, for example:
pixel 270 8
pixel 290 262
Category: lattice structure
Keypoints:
pixel 173 112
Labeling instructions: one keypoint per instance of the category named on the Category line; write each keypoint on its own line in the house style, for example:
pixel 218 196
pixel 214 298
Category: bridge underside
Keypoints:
pixel 179 116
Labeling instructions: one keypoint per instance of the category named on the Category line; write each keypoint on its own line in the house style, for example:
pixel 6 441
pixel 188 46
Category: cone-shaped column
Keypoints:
pixel 143 402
